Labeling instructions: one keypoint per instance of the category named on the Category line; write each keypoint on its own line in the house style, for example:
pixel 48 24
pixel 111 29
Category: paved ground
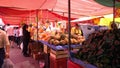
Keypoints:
pixel 20 61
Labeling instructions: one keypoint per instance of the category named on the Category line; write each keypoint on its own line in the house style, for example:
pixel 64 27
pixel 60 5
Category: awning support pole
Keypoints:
pixel 113 11
pixel 69 26
pixel 37 21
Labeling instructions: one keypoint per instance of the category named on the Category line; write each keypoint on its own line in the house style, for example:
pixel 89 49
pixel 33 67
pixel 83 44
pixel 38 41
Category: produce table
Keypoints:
pixel 59 47
pixel 58 54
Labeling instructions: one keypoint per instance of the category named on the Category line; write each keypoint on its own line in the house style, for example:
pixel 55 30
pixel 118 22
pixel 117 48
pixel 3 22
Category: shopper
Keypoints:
pixel 16 34
pixel 26 39
pixel 20 36
pixel 10 32
pixel 4 46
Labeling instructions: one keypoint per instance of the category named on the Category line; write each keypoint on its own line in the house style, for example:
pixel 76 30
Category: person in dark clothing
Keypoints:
pixel 26 39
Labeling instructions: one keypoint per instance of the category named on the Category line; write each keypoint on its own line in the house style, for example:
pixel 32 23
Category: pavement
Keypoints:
pixel 20 61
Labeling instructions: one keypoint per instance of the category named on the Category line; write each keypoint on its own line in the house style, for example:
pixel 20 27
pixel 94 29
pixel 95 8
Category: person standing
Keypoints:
pixel 4 46
pixel 20 36
pixel 10 32
pixel 16 34
pixel 26 39
pixel 76 30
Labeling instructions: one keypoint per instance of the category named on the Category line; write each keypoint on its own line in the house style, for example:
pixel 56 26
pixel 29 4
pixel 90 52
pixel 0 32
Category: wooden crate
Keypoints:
pixel 59 54
pixel 75 49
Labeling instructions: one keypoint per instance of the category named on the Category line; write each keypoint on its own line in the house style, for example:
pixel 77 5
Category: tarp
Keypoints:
pixel 1 22
pixel 79 8
pixel 15 16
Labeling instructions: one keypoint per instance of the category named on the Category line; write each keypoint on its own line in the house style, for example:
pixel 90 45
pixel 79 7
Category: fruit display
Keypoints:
pixel 101 49
pixel 62 39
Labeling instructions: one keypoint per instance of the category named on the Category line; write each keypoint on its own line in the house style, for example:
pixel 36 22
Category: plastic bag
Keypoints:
pixel 8 63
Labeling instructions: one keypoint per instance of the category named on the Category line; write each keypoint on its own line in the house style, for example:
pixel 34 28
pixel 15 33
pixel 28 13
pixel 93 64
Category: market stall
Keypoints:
pixel 41 21
pixel 58 50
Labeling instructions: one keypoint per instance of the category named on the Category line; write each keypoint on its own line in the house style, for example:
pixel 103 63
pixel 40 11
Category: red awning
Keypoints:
pixel 59 8
pixel 79 8
pixel 15 16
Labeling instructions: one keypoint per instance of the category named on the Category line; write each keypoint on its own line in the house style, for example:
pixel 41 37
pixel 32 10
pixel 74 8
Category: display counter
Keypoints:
pixel 59 51
pixel 58 54
pixel 59 47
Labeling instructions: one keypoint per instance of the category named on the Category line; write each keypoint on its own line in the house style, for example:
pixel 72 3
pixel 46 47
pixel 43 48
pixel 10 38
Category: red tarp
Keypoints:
pixel 13 16
pixel 79 8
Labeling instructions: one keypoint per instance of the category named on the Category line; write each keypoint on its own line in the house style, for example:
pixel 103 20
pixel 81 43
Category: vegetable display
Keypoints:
pixel 101 49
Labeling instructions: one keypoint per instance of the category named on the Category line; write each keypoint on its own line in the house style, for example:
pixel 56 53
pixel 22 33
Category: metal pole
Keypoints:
pixel 113 23
pixel 37 22
pixel 113 11
pixel 69 26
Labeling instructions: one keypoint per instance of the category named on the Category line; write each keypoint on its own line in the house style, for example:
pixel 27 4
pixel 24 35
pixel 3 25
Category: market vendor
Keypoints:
pixel 76 30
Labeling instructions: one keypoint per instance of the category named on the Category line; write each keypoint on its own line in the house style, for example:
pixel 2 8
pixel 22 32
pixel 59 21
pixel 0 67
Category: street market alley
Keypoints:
pixel 20 61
